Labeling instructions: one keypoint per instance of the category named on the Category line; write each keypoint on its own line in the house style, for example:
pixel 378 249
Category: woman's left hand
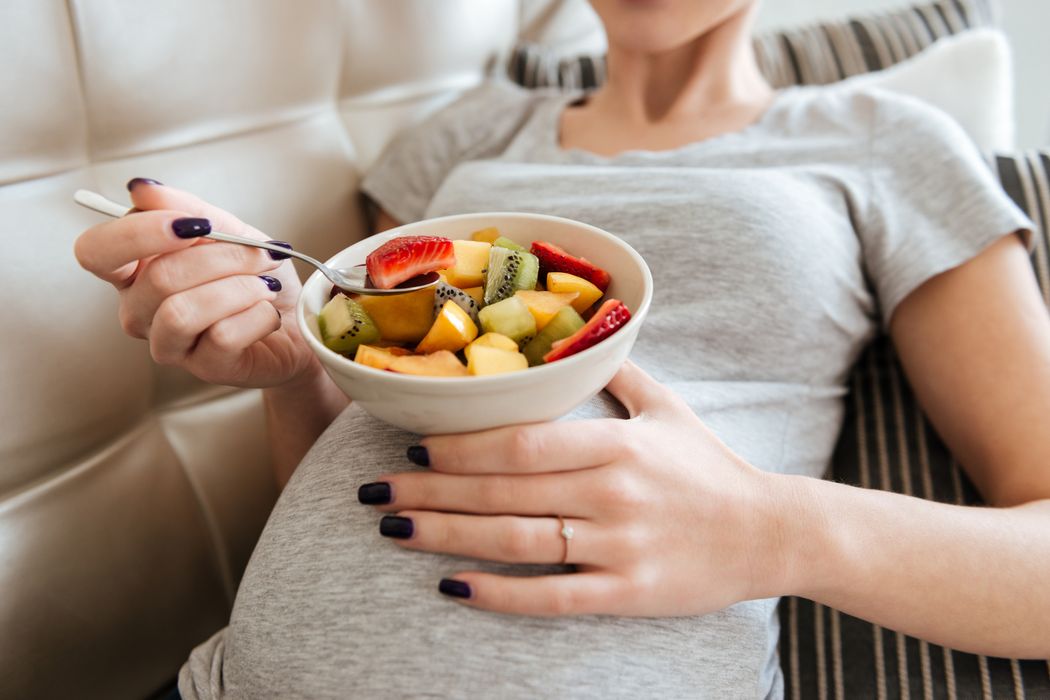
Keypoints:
pixel 666 519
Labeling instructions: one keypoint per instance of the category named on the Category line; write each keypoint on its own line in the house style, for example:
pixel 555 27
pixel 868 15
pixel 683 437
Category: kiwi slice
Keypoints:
pixel 509 317
pixel 504 242
pixel 345 324
pixel 566 322
pixel 444 291
pixel 508 271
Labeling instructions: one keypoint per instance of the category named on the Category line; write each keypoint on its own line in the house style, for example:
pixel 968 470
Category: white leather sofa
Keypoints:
pixel 131 495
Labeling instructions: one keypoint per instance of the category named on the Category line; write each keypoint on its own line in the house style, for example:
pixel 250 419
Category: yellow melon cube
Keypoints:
pixel 544 305
pixel 472 257
pixel 488 235
pixel 401 318
pixel 438 364
pixel 452 330
pixel 491 340
pixel 486 360
pixel 563 282
pixel 477 294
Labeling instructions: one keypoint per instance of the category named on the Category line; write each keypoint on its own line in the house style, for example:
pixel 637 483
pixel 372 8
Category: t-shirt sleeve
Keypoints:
pixel 933 203
pixel 415 164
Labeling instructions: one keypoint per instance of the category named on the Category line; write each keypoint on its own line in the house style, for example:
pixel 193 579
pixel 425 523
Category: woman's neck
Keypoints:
pixel 711 85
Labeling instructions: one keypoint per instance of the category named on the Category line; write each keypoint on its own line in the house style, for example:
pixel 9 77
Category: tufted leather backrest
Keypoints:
pixel 130 494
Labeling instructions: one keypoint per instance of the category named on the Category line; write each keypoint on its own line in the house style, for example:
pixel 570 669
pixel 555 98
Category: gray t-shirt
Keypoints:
pixel 776 253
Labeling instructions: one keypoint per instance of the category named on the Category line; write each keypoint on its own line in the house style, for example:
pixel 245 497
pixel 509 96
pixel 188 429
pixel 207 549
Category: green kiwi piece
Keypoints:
pixel 504 242
pixel 565 323
pixel 507 272
pixel 345 324
pixel 509 317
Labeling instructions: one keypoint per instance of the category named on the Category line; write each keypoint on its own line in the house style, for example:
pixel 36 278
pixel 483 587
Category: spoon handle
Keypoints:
pixel 103 205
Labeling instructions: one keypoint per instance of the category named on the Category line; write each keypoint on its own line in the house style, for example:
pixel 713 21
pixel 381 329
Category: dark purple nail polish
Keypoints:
pixel 272 282
pixel 279 256
pixel 376 494
pixel 191 227
pixel 417 454
pixel 454 588
pixel 396 526
pixel 136 181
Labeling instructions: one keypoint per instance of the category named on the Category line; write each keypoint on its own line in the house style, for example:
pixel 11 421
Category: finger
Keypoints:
pixel 112 250
pixel 147 196
pixel 638 391
pixel 590 593
pixel 172 273
pixel 518 449
pixel 182 318
pixel 234 334
pixel 533 494
pixel 504 538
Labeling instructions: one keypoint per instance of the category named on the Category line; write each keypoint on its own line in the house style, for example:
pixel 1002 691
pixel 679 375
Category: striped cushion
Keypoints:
pixel 886 443
pixel 814 55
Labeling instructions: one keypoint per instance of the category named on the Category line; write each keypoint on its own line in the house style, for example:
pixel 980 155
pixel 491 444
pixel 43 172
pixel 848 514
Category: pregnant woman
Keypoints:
pixel 782 230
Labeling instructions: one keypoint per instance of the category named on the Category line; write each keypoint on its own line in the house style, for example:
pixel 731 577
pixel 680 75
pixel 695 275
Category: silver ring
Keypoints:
pixel 567 533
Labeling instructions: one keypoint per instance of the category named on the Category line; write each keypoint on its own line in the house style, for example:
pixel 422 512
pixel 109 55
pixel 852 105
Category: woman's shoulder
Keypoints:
pixel 488 114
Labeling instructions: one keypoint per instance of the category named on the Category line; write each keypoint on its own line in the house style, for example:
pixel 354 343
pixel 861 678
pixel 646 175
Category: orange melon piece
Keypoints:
pixel 378 357
pixel 485 360
pixel 543 305
pixel 477 294
pixel 438 364
pixel 563 283
pixel 401 318
pixel 472 257
pixel 488 235
pixel 452 330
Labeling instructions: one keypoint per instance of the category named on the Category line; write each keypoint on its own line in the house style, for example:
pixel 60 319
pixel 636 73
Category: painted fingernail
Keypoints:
pixel 191 227
pixel 377 494
pixel 272 282
pixel 396 526
pixel 417 454
pixel 456 589
pixel 279 256
pixel 136 181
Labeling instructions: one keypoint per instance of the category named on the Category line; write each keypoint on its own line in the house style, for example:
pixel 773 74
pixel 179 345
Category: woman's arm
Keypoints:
pixel 299 411
pixel 975 343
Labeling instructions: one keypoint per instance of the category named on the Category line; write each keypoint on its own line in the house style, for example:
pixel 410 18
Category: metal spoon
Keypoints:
pixel 353 279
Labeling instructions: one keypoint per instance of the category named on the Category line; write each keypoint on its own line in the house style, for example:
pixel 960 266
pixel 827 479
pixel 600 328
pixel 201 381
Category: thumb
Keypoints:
pixel 637 390
pixel 149 194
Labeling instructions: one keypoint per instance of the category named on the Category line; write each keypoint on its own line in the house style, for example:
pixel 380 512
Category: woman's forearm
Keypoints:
pixel 969 578
pixel 296 415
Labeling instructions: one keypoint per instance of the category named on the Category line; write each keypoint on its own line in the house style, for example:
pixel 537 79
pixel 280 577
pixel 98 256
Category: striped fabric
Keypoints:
pixel 813 55
pixel 887 444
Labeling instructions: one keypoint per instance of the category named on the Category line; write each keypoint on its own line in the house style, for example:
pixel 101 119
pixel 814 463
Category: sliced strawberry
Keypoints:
pixel 403 258
pixel 609 318
pixel 555 259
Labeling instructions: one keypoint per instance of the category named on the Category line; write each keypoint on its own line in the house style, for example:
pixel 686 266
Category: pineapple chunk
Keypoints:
pixel 562 282
pixel 401 318
pixel 543 305
pixel 438 364
pixel 489 360
pixel 452 330
pixel 486 234
pixel 472 257
pixel 491 340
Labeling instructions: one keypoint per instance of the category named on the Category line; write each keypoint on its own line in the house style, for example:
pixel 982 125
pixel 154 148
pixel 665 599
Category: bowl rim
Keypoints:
pixel 486 382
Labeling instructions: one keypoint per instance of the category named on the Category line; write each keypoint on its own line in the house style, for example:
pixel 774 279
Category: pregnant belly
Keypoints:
pixel 328 608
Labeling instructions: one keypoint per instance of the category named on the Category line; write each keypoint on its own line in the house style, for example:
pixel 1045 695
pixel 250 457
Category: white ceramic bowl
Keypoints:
pixel 433 405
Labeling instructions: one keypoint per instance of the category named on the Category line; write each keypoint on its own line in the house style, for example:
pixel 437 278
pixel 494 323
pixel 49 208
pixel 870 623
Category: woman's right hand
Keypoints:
pixel 221 311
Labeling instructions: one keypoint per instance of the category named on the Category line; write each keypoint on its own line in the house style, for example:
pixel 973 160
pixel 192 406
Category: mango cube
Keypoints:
pixel 472 257
pixel 438 364
pixel 488 235
pixel 563 282
pixel 401 318
pixel 452 330
pixel 543 305
pixel 491 340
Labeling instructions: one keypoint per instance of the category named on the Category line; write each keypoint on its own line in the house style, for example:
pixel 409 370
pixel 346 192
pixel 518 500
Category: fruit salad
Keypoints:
pixel 499 307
